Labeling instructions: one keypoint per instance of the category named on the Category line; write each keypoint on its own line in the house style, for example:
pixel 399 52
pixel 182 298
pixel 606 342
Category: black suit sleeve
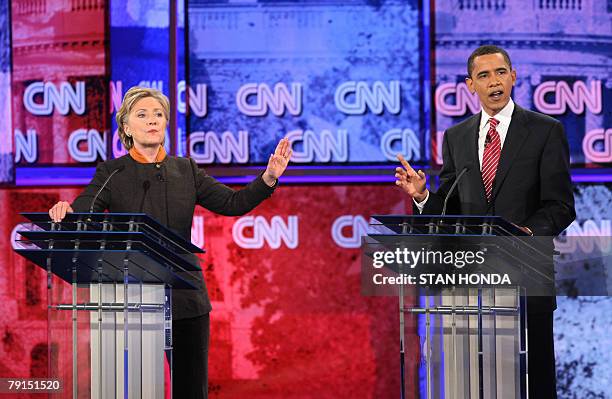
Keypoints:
pixel 221 199
pixel 447 177
pixel 83 201
pixel 556 210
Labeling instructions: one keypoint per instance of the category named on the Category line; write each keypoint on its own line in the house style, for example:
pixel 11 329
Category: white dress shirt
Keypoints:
pixel 504 117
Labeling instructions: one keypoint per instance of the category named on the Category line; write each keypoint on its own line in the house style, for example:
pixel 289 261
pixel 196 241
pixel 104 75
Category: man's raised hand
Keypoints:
pixel 412 182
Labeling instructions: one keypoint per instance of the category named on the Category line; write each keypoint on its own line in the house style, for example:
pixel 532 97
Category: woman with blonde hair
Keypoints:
pixel 168 189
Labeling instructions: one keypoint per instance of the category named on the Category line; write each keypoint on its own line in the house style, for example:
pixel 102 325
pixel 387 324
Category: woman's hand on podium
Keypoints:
pixel 59 210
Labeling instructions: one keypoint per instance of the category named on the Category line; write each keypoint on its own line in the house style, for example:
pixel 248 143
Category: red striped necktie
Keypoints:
pixel 490 158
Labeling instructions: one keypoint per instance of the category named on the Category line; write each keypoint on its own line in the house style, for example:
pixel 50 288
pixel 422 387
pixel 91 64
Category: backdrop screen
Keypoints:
pixel 342 81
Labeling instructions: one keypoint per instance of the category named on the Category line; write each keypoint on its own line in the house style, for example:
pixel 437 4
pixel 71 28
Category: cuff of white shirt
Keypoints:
pixel 421 205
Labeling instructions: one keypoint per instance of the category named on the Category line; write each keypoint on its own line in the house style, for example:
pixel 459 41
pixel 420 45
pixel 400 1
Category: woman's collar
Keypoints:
pixel 138 157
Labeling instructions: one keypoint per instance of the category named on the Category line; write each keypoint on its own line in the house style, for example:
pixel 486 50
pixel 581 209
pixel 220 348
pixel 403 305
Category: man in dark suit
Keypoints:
pixel 517 167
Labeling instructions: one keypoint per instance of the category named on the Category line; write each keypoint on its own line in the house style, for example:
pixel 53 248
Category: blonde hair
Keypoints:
pixel 132 96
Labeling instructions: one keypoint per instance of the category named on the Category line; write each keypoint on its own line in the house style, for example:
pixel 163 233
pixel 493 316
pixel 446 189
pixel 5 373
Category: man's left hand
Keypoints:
pixel 277 163
pixel 525 229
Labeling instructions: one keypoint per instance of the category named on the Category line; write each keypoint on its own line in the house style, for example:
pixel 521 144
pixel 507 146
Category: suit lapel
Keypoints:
pixel 472 131
pixel 517 132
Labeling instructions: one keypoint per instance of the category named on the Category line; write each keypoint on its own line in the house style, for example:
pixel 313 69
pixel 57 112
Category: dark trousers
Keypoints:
pixel 541 356
pixel 190 357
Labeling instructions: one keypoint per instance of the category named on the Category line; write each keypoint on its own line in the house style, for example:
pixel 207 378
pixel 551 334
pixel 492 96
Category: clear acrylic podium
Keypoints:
pixel 109 277
pixel 472 341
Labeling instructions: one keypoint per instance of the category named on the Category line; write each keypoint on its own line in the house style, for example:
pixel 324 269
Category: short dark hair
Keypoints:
pixel 484 50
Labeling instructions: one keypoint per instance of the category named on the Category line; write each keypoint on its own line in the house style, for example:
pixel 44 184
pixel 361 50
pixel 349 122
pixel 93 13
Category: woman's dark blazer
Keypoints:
pixel 183 186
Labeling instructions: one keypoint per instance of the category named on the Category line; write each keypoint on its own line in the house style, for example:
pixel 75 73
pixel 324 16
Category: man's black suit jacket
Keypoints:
pixel 532 186
pixel 176 187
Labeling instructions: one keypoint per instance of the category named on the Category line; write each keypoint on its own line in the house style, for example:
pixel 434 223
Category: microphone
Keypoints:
pixel 491 204
pixel 145 187
pixel 452 189
pixel 93 202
